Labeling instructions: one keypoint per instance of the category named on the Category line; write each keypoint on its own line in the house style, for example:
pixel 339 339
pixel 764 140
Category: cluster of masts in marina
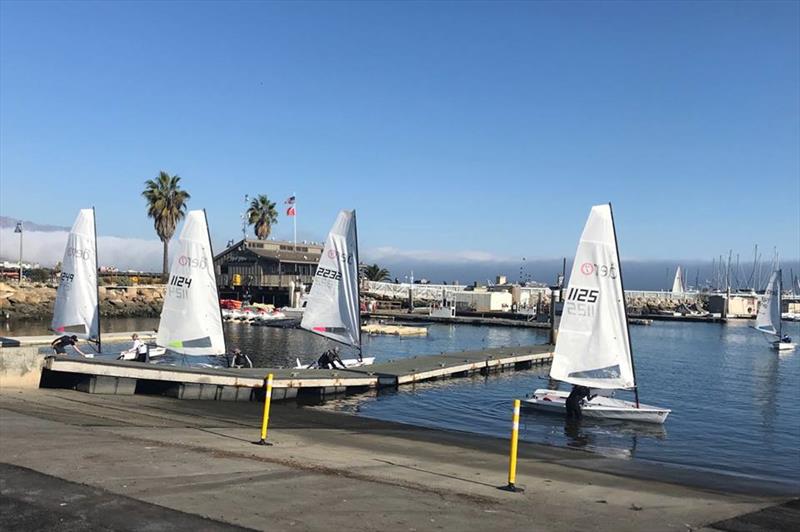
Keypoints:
pixel 730 274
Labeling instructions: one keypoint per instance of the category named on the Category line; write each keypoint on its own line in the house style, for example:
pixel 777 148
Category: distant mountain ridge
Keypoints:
pixel 5 221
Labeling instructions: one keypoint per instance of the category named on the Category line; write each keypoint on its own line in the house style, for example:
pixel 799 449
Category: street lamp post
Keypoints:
pixel 18 229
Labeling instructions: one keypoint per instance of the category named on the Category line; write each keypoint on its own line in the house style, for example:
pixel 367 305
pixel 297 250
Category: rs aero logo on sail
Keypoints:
pixel 599 270
pixel 185 260
pixel 83 254
pixel 341 257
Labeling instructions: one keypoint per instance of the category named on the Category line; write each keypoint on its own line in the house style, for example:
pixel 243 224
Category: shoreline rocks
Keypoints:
pixel 36 301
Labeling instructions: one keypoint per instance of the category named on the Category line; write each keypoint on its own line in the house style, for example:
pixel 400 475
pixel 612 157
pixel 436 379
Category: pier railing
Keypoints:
pixel 437 292
pixel 421 292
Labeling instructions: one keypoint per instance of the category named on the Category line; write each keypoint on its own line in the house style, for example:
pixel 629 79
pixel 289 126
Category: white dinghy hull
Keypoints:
pixel 601 407
pixel 348 363
pixel 783 346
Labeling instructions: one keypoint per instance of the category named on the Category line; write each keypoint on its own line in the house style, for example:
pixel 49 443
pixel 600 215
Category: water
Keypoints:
pixel 735 402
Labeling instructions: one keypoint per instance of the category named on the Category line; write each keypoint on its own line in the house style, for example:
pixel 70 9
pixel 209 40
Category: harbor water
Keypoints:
pixel 735 402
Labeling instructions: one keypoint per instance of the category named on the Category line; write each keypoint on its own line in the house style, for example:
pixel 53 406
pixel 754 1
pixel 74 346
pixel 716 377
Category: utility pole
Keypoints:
pixel 244 217
pixel 18 229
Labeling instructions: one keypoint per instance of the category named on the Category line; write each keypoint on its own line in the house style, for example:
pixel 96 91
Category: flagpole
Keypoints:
pixel 294 219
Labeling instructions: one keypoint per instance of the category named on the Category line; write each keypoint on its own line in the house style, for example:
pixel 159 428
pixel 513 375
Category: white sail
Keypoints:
pixel 677 283
pixel 592 348
pixel 76 309
pixel 768 319
pixel 333 307
pixel 191 321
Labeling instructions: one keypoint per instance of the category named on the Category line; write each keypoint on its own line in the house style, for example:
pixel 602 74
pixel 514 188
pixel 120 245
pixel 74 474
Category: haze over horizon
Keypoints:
pixel 44 244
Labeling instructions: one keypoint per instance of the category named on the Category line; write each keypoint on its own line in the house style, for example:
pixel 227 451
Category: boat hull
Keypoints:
pixel 348 362
pixel 783 346
pixel 555 401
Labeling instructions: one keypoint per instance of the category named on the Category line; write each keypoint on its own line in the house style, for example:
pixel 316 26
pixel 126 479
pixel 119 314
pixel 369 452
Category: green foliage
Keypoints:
pixel 262 215
pixel 375 273
pixel 39 275
pixel 166 205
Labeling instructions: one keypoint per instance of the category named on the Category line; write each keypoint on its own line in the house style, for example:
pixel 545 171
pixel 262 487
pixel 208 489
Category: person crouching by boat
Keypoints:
pixel 60 344
pixel 577 394
pixel 329 359
pixel 138 352
pixel 239 360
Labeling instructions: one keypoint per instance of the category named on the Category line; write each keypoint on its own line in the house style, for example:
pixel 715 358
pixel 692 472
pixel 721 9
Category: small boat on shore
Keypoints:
pixel 593 347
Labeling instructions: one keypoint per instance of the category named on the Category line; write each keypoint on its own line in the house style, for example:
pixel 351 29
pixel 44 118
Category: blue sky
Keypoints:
pixel 456 130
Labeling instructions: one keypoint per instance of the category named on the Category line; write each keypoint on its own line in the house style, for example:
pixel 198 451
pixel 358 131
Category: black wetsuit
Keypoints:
pixel 329 359
pixel 574 401
pixel 61 343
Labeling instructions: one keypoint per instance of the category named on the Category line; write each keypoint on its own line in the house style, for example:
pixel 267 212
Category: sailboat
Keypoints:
pixel 677 283
pixel 76 309
pixel 191 318
pixel 768 319
pixel 593 347
pixel 333 307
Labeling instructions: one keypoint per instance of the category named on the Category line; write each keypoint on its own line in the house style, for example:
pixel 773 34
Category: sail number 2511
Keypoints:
pixel 580 301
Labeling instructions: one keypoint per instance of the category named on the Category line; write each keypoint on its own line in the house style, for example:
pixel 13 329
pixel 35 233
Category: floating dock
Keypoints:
pixel 127 377
pixel 393 330
pixel 460 320
pixel 24 341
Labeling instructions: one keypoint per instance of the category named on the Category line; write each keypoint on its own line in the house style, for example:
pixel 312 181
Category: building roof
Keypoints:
pixel 279 250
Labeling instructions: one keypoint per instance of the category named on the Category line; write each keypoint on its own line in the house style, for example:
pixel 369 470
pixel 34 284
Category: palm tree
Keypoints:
pixel 262 215
pixel 166 205
pixel 375 273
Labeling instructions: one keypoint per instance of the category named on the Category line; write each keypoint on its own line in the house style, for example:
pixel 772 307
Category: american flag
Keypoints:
pixel 291 210
pixel 289 200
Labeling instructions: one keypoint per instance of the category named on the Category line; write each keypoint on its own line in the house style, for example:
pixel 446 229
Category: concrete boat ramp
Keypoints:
pixel 185 382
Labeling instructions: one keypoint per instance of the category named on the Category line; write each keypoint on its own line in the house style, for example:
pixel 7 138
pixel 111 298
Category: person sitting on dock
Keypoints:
pixel 577 395
pixel 59 345
pixel 239 360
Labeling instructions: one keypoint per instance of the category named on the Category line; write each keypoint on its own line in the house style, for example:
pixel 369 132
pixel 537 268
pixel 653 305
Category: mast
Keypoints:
pixel 624 305
pixel 216 287
pixel 358 284
pixel 97 281
pixel 779 281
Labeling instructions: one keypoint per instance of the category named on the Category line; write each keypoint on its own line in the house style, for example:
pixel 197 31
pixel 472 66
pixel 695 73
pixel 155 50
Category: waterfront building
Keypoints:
pixel 266 271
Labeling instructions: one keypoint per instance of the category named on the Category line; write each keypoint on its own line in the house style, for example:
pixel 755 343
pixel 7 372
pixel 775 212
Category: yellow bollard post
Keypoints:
pixel 265 420
pixel 512 459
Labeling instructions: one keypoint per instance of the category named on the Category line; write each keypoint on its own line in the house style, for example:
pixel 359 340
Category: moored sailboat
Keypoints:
pixel 768 319
pixel 333 308
pixel 593 346
pixel 77 310
pixel 191 318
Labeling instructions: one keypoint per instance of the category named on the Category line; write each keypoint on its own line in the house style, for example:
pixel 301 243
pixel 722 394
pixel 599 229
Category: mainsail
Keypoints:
pixel 768 319
pixel 593 348
pixel 76 309
pixel 191 321
pixel 677 283
pixel 333 308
